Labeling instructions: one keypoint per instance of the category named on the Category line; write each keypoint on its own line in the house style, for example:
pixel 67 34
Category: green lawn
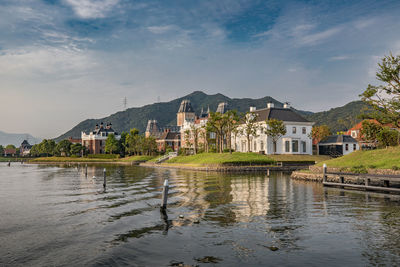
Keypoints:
pixel 211 159
pixel 388 158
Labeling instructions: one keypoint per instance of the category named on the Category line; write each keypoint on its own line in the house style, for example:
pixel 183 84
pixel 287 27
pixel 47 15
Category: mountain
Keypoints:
pixel 16 139
pixel 341 118
pixel 165 112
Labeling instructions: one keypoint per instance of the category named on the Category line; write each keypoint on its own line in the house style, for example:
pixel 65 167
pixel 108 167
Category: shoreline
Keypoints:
pixel 260 168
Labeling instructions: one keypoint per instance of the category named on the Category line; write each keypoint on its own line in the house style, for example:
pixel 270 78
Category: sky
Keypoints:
pixel 64 61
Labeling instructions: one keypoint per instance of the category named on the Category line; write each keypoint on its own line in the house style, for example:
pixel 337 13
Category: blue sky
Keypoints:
pixel 62 61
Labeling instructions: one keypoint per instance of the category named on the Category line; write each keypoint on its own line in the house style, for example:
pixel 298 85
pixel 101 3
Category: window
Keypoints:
pixel 303 130
pixel 294 130
pixel 295 146
pixel 287 146
pixel 354 147
pixel 353 134
pixel 347 147
pixel 274 146
pixel 304 146
pixel 255 146
pixel 261 145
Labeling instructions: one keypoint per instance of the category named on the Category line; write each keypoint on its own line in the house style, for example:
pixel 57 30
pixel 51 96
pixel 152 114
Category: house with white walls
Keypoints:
pixel 297 139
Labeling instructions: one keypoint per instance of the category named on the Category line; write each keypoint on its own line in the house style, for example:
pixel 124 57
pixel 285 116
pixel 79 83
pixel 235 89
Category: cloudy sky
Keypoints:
pixel 63 61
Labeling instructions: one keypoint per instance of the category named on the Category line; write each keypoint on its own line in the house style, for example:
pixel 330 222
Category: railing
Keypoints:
pixel 385 180
pixel 167 157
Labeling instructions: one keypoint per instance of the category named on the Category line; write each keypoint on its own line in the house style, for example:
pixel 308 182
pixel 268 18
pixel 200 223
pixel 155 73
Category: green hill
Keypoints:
pixel 341 118
pixel 165 112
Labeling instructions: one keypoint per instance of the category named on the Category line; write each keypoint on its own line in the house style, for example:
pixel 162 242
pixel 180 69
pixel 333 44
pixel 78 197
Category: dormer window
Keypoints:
pixel 294 130
pixel 304 131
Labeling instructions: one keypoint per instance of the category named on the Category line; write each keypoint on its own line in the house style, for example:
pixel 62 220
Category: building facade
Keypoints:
pixel 297 139
pixel 25 148
pixel 338 145
pixel 95 141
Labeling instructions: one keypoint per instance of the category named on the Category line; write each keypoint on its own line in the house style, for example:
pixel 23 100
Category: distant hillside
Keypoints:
pixel 165 112
pixel 341 118
pixel 16 139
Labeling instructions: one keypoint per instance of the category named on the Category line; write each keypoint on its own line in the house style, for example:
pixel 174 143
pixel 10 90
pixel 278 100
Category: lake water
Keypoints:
pixel 55 216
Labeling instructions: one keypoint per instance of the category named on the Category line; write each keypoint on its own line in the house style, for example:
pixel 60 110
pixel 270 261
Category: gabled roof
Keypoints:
pixel 333 139
pixel 186 106
pixel 222 107
pixel 283 114
pixel 25 142
pixel 170 136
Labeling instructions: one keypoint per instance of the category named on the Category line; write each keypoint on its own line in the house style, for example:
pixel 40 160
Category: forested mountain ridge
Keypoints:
pixel 165 113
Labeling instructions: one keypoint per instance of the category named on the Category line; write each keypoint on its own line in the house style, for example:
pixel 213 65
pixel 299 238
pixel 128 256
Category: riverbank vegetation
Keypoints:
pixel 386 158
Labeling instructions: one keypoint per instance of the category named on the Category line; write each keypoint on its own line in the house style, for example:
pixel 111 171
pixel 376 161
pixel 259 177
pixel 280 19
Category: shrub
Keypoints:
pixel 359 169
pixel 395 168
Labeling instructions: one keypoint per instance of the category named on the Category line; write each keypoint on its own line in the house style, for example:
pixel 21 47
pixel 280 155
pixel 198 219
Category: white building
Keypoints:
pixel 337 145
pixel 297 139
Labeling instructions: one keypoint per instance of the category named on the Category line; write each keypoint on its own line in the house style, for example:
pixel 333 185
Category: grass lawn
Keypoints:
pixel 212 159
pixel 388 158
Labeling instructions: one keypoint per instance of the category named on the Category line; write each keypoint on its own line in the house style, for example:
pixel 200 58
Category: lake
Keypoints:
pixel 53 215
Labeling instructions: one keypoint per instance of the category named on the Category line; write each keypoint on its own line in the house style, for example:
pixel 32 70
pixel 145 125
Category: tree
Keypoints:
pixel 231 124
pixel 112 144
pixel 1 150
pixel 10 147
pixel 216 124
pixel 370 130
pixel 385 98
pixel 187 139
pixel 250 128
pixel 122 143
pixel 320 132
pixel 275 129
pixel 132 141
pixel 35 150
pixel 47 147
pixel 77 149
pixel 204 135
pixel 195 132
pixel 387 137
pixel 63 148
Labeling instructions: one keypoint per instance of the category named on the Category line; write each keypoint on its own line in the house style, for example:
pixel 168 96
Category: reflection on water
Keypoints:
pixel 55 215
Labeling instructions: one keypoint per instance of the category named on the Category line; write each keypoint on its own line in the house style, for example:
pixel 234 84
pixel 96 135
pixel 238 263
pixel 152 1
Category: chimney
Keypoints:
pixel 286 105
pixel 270 105
pixel 253 109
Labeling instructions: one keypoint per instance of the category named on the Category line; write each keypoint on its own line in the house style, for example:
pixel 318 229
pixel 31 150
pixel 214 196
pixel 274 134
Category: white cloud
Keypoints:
pixel 160 29
pixel 315 38
pixel 90 9
pixel 339 58
pixel 362 24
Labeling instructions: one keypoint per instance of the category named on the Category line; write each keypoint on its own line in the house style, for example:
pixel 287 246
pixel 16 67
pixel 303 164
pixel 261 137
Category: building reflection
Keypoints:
pixel 250 197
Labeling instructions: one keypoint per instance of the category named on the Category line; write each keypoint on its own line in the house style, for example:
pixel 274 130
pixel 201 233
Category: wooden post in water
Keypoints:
pixel 105 178
pixel 324 177
pixel 9 163
pixel 165 195
pixel 86 170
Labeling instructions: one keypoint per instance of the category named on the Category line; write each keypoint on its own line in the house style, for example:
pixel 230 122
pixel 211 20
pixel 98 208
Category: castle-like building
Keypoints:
pixel 95 141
